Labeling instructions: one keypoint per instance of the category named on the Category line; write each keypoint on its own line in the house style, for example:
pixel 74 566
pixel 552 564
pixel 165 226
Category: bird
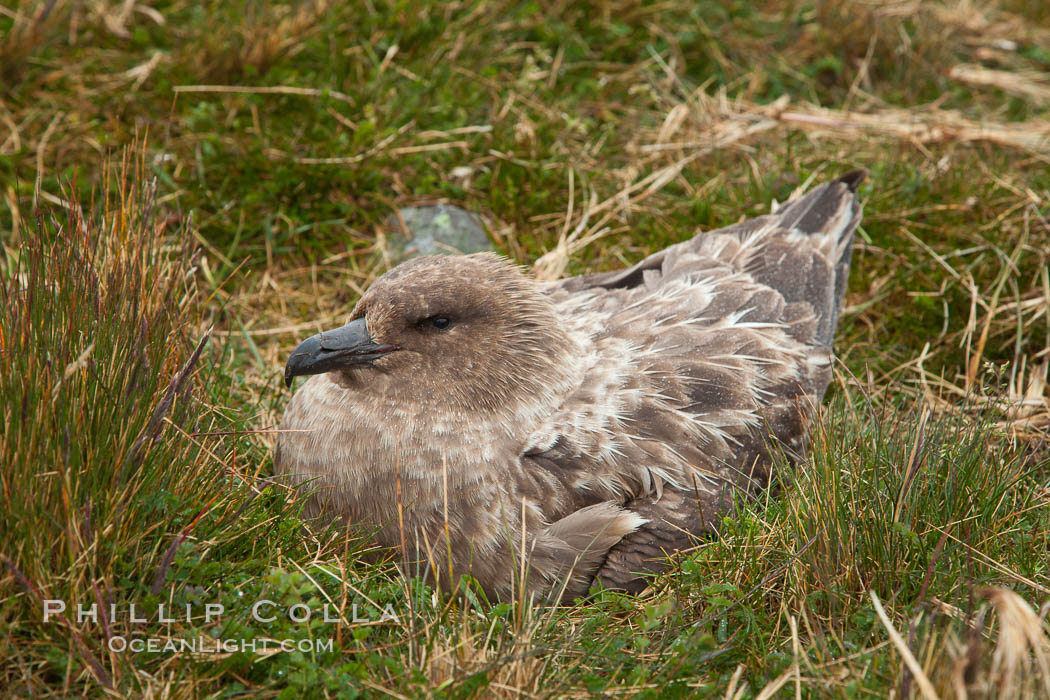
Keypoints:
pixel 553 438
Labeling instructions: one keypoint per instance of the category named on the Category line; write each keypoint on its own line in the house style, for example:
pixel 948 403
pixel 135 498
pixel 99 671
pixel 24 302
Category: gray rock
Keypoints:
pixel 435 228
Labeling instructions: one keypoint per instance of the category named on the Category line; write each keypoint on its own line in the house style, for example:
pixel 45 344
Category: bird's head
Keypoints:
pixel 466 332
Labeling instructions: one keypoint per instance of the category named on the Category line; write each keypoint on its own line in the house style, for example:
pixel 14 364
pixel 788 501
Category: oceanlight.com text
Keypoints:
pixel 205 645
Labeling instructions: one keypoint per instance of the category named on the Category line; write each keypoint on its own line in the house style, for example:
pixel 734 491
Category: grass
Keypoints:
pixel 177 173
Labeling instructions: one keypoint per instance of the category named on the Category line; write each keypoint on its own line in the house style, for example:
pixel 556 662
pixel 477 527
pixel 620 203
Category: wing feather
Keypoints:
pixel 713 354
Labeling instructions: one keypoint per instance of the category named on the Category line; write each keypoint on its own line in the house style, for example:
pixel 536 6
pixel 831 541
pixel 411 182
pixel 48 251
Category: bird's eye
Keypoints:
pixel 440 322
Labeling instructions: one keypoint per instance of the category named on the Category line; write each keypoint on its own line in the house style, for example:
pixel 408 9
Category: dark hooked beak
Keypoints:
pixel 342 348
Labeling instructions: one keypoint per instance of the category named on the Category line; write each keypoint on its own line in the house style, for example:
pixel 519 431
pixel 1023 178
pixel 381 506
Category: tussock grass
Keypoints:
pixel 908 556
pixel 102 398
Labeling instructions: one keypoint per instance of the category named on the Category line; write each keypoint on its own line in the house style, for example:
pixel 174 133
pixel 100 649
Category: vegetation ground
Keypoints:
pixel 178 171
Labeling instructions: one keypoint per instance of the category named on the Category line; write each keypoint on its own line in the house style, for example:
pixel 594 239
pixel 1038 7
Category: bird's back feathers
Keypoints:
pixel 722 343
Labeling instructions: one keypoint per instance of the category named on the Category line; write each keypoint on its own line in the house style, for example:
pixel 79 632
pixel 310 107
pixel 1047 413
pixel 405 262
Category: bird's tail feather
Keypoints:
pixel 831 210
pixel 814 269
pixel 827 209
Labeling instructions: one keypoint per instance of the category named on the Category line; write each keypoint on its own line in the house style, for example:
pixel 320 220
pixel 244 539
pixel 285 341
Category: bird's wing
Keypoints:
pixel 707 354
pixel 817 272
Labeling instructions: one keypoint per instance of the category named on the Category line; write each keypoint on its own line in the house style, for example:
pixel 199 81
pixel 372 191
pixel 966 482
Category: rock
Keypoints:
pixel 435 228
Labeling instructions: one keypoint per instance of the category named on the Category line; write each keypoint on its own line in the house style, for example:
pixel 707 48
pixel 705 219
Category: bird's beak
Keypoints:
pixel 342 348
